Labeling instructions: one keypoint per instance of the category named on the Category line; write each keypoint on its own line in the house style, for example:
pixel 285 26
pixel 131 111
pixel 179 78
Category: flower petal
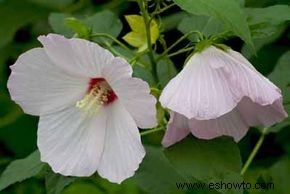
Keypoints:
pixel 177 129
pixel 245 80
pixel 212 84
pixel 198 91
pixel 258 115
pixel 133 93
pixel 230 124
pixel 40 87
pixel 123 150
pixel 236 123
pixel 77 56
pixel 118 69
pixel 72 142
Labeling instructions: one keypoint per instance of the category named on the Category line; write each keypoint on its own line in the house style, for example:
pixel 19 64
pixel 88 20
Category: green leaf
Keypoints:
pixel 241 2
pixel 137 37
pixel 280 176
pixel 104 22
pixel 257 175
pixel 15 14
pixel 57 23
pixel 207 25
pixel 269 14
pixel 165 71
pixel 264 21
pixel 81 29
pixel 274 176
pixel 127 186
pixel 266 25
pixel 281 77
pixel 83 187
pixel 144 74
pixel 156 174
pixel 262 39
pixel 30 186
pixel 228 11
pixel 20 170
pixel 55 183
pixel 208 161
pixel 184 163
pixel 170 22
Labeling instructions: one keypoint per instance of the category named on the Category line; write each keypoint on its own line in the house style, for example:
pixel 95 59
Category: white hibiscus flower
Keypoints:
pixel 89 107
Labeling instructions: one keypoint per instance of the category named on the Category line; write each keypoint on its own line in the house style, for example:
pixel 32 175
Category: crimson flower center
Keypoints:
pixel 100 87
pixel 99 94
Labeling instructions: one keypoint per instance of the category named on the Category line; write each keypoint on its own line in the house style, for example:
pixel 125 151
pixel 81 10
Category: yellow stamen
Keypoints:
pixel 92 102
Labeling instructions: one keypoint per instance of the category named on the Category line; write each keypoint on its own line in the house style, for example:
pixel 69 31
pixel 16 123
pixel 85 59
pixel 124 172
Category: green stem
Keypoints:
pixel 155 90
pixel 152 131
pixel 147 22
pixel 181 51
pixel 221 36
pixel 114 51
pixel 135 59
pixel 113 39
pixel 254 151
pixel 163 9
pixel 178 41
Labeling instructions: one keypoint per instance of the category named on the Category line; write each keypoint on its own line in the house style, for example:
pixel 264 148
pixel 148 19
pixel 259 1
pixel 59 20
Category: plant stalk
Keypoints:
pixel 254 151
pixel 147 22
pixel 152 131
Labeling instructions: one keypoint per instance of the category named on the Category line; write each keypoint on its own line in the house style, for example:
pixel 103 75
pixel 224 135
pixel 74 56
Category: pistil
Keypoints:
pixel 99 94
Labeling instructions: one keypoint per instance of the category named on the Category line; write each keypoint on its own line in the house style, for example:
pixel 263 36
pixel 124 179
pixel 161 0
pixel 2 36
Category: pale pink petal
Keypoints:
pixel 221 93
pixel 236 123
pixel 40 87
pixel 72 142
pixel 238 56
pixel 78 56
pixel 123 150
pixel 213 83
pixel 177 129
pixel 258 115
pixel 118 69
pixel 199 91
pixel 230 124
pixel 133 93
pixel 244 80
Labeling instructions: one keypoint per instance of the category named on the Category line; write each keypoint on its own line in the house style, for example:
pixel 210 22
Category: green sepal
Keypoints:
pixel 203 44
pixel 222 46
